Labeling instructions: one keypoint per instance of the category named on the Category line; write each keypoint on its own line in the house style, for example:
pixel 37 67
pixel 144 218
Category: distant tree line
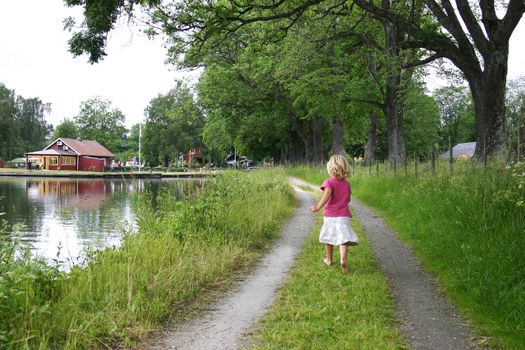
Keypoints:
pixel 173 125
pixel 23 124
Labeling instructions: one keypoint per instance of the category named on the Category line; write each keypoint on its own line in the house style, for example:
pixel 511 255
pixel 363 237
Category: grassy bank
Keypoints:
pixel 469 230
pixel 320 308
pixel 183 249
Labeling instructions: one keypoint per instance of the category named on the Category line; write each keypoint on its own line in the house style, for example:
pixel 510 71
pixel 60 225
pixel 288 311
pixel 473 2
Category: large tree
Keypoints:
pixel 457 119
pixel 23 126
pixel 31 116
pixel 476 40
pixel 174 125
pixel 8 126
pixel 98 121
pixel 471 35
pixel 67 129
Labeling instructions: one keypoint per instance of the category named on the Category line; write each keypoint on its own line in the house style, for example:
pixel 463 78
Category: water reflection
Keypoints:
pixel 66 217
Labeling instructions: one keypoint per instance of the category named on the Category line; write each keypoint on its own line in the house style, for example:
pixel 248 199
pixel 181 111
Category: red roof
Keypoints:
pixel 87 148
pixel 77 147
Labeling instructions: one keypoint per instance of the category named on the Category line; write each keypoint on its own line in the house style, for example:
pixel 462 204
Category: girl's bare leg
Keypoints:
pixel 343 252
pixel 329 249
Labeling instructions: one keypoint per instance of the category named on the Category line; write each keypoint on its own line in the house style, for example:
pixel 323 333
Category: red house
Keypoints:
pixel 71 154
pixel 193 155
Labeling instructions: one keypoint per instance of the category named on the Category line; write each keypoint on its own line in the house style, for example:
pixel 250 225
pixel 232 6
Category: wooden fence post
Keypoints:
pixel 433 160
pixel 519 143
pixel 485 150
pixel 415 165
pixel 450 154
pixel 395 167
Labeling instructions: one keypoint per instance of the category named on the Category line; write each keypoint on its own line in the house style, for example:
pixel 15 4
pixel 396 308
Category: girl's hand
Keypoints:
pixel 326 197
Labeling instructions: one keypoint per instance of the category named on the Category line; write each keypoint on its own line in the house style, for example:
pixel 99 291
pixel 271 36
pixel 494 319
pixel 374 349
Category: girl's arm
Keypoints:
pixel 326 197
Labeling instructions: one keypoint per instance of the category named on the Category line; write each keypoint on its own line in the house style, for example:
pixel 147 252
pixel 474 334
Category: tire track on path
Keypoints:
pixel 232 317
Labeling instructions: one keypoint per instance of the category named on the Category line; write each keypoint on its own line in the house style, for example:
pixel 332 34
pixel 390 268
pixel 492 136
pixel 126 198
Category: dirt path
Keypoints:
pixel 228 324
pixel 428 320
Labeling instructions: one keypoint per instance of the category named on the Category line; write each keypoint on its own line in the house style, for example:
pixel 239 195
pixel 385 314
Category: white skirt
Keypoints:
pixel 336 230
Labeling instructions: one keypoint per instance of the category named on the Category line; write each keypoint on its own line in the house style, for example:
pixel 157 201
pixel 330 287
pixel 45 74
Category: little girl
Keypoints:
pixel 336 228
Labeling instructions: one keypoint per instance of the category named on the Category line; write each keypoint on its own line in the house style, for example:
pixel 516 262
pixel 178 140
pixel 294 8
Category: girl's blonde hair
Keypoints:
pixel 338 167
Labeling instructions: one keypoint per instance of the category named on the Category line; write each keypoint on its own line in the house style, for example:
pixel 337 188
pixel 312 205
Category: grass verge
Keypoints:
pixel 320 308
pixel 469 230
pixel 183 249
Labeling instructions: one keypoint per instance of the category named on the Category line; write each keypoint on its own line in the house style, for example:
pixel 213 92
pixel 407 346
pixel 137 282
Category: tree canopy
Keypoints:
pixel 98 121
pixel 23 125
pixel 472 35
pixel 174 124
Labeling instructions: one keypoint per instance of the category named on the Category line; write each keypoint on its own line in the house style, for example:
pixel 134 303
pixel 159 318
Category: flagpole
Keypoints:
pixel 140 137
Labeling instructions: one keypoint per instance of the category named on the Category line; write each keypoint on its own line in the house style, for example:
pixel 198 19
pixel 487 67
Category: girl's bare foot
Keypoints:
pixel 327 262
pixel 344 267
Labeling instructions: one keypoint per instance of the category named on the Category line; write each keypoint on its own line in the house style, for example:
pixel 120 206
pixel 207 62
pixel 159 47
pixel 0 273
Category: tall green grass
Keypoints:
pixel 184 249
pixel 468 229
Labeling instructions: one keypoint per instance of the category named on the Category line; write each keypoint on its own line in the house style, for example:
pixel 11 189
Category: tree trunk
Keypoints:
pixel 372 138
pixel 488 93
pixel 298 127
pixel 338 140
pixel 317 140
pixel 393 115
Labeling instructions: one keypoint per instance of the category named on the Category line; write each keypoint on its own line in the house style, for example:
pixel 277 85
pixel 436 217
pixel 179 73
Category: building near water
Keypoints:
pixel 71 154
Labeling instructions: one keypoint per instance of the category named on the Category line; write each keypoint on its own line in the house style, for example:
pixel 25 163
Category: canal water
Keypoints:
pixel 62 219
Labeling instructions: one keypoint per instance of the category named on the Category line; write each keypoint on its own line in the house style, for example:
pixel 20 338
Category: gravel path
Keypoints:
pixel 228 325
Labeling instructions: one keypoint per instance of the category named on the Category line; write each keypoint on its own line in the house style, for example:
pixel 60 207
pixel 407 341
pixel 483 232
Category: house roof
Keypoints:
pixel 81 148
pixel 87 147
pixel 460 149
pixel 52 152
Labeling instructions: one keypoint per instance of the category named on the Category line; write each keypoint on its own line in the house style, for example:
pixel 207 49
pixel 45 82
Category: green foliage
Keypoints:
pixel 97 121
pixel 185 248
pixel 203 32
pixel 174 125
pixel 515 110
pixel 422 122
pixel 130 145
pixel 66 129
pixel 26 286
pixel 216 137
pixel 23 127
pixel 457 115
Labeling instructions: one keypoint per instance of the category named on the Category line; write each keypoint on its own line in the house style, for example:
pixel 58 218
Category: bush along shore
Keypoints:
pixel 185 248
pixel 468 229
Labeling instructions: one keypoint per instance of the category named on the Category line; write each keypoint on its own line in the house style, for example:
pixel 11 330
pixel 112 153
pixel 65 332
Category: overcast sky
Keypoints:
pixel 34 62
